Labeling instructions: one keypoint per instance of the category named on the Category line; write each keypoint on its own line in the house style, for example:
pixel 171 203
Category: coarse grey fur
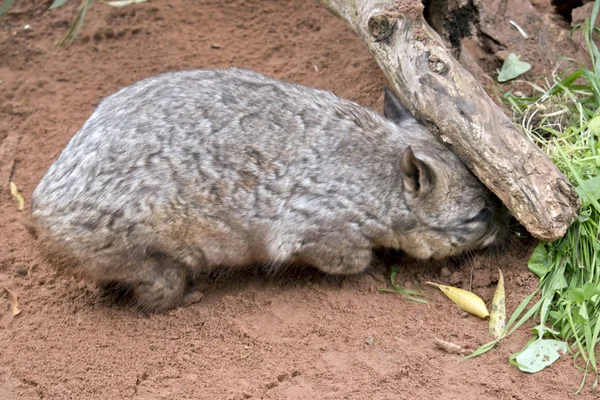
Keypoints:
pixel 189 171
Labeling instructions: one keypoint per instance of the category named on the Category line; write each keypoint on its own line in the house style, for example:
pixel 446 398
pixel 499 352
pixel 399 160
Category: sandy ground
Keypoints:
pixel 300 335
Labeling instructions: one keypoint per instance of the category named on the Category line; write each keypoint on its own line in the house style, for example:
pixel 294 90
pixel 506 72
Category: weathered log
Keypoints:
pixel 446 98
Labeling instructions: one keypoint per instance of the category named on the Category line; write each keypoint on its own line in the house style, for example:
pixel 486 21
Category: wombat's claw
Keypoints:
pixel 376 274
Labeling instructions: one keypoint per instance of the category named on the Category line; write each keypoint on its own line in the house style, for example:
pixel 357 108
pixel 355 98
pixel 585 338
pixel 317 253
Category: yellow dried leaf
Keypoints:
pixel 466 300
pixel 13 302
pixel 498 313
pixel 15 192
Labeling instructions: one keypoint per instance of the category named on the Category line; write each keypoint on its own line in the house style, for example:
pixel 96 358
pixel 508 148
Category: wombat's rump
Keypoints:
pixel 195 170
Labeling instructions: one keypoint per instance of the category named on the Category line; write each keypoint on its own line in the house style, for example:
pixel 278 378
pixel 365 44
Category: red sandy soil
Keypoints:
pixel 296 336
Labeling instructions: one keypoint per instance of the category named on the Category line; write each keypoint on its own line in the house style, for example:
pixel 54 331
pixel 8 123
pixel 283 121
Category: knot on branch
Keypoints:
pixel 381 26
pixel 382 17
pixel 437 65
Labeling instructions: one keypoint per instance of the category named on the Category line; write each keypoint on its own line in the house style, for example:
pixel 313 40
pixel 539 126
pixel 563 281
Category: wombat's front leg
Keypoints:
pixel 159 284
pixel 333 259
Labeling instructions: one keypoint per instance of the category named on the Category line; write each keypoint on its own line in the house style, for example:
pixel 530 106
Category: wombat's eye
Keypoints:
pixel 482 215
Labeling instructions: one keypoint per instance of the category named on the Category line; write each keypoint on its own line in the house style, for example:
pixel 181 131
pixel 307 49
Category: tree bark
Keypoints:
pixel 447 99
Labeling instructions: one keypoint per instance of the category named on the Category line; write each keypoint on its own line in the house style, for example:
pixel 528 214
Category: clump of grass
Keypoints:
pixel 75 26
pixel 564 120
pixel 77 23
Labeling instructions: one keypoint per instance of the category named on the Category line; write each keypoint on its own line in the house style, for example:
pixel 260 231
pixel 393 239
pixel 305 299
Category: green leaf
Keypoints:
pixel 583 218
pixel 558 284
pixel 512 68
pixel 576 295
pixel 539 262
pixel 583 313
pixel 393 275
pixel 589 290
pixel 57 3
pixel 539 354
pixel 556 315
pixel 589 191
pixel 5 6
pixel 594 125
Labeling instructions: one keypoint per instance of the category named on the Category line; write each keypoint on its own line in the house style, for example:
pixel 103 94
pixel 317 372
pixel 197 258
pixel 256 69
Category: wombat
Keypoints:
pixel 190 171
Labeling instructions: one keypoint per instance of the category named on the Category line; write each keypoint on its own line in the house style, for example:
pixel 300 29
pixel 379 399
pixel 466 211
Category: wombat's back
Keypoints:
pixel 221 140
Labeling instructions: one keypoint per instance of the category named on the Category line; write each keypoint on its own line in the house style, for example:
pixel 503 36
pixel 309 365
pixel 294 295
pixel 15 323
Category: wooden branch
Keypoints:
pixel 446 98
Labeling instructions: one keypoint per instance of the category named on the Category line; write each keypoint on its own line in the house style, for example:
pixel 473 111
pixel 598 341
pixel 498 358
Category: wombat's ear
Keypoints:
pixel 418 177
pixel 393 108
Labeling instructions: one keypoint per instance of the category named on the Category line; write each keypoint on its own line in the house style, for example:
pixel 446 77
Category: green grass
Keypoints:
pixel 412 295
pixel 564 120
pixel 75 26
pixel 77 23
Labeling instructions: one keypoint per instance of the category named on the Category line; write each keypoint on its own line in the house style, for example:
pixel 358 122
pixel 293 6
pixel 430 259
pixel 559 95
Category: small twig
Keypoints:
pixel 521 31
pixel 450 348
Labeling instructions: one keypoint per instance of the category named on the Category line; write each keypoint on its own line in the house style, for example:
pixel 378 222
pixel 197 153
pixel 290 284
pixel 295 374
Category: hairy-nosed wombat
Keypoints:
pixel 194 170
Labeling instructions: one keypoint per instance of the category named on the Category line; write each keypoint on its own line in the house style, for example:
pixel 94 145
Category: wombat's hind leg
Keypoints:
pixel 118 292
pixel 160 283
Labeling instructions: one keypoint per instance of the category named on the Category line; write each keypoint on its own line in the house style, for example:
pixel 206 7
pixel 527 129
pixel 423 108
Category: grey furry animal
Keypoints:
pixel 191 171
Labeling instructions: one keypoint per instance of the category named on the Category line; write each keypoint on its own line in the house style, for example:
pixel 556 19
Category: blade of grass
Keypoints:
pixel 57 3
pixel 5 6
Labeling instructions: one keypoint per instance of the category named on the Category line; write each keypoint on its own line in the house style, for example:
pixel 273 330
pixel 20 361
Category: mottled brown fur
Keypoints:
pixel 196 170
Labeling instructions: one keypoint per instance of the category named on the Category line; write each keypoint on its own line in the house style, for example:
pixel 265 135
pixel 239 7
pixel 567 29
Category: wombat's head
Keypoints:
pixel 450 209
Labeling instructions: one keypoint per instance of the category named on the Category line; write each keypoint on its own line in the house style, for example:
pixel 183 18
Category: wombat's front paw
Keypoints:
pixel 192 297
pixel 338 261
pixel 162 286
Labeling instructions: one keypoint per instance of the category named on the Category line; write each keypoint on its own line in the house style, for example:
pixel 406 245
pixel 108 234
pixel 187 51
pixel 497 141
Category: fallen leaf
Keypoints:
pixel 13 302
pixel 498 313
pixel 466 300
pixel 512 68
pixel 15 192
pixel 539 354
